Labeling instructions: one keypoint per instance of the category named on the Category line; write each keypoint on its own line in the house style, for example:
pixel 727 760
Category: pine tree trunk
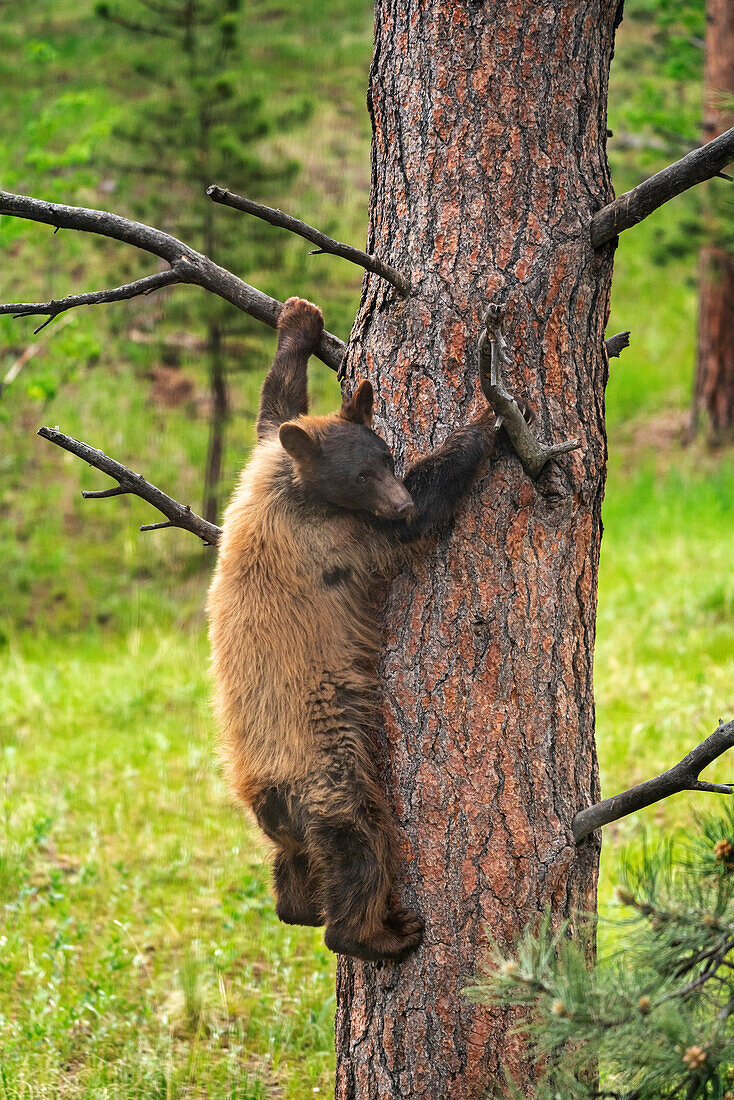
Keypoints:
pixel 488 160
pixel 713 398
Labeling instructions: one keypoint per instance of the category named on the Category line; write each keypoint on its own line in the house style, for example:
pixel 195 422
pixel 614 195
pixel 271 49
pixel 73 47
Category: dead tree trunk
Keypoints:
pixel 713 397
pixel 488 161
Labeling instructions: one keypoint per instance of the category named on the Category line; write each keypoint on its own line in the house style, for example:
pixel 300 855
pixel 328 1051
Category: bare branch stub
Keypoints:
pixel 635 205
pixel 682 777
pixel 190 266
pixel 177 515
pixel 493 357
pixel 325 244
pixel 616 344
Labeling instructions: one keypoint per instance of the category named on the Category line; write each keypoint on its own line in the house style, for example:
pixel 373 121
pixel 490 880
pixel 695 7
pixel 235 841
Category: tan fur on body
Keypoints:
pixel 282 643
pixel 294 663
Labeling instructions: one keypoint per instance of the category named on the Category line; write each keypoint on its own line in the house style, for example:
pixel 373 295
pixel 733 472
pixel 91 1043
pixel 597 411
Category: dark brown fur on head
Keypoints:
pixel 340 460
pixel 358 408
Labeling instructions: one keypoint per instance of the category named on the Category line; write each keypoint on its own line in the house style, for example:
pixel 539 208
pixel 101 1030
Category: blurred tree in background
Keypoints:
pixel 195 123
pixel 689 44
pixel 713 397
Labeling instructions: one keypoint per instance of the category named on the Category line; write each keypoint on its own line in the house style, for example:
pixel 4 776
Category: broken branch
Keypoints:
pixel 268 214
pixel 616 344
pixel 682 777
pixel 190 266
pixel 177 515
pixel 493 357
pixel 117 294
pixel 635 205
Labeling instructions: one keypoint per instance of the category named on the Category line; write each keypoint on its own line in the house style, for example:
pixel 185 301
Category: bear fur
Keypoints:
pixel 294 627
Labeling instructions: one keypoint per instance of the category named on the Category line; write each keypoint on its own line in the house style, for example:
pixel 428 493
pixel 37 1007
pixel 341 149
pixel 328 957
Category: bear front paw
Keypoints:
pixel 303 321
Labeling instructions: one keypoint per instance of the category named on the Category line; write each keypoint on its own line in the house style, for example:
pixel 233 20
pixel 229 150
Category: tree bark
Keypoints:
pixel 488 161
pixel 713 397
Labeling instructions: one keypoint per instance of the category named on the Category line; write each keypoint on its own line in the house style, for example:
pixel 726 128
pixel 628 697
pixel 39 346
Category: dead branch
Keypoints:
pixel 372 263
pixel 629 209
pixel 682 777
pixel 493 357
pixel 177 515
pixel 190 266
pixel 118 294
pixel 616 344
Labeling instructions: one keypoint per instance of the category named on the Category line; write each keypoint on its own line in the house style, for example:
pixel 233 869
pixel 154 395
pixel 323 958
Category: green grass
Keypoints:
pixel 664 660
pixel 139 950
pixel 140 947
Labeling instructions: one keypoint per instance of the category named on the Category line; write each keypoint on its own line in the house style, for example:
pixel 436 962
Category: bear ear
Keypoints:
pixel 297 442
pixel 359 409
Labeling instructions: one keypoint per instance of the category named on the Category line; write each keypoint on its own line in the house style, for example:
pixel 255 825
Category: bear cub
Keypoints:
pixel 317 513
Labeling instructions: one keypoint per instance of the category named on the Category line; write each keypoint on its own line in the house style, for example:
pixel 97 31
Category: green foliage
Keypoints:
pixel 663 65
pixel 197 121
pixel 678 29
pixel 656 118
pixel 655 1019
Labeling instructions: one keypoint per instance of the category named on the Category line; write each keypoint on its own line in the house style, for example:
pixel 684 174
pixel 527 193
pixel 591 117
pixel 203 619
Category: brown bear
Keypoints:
pixel 294 630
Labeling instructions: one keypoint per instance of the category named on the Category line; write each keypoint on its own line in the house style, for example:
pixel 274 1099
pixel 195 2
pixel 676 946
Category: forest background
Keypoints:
pixel 139 948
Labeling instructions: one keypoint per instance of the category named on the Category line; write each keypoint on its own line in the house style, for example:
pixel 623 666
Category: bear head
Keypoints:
pixel 340 460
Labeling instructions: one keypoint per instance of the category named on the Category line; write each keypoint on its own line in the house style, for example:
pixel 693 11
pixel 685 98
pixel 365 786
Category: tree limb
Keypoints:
pixel 315 236
pixel 492 358
pixel 118 294
pixel 616 344
pixel 682 777
pixel 177 515
pixel 190 266
pixel 629 209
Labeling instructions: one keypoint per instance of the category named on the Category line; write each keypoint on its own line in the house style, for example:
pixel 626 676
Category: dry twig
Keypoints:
pixel 493 357
pixel 177 515
pixel 635 205
pixel 187 266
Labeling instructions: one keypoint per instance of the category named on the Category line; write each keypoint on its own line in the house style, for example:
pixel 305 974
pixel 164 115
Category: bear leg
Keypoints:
pixel 356 877
pixel 295 890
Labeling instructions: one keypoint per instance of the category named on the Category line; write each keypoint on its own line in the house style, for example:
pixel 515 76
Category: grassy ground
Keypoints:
pixel 139 950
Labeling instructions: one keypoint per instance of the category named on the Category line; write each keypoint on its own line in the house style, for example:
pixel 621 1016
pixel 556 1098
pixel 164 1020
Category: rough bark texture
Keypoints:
pixel 488 161
pixel 713 399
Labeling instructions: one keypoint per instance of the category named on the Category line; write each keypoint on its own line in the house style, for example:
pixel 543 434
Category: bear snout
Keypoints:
pixel 406 510
pixel 394 501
